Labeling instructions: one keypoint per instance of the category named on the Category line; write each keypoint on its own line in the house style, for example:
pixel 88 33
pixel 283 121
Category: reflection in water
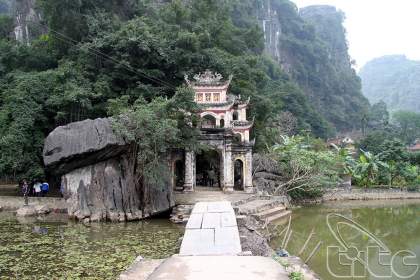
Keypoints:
pixel 55 248
pixel 396 225
pixel 39 230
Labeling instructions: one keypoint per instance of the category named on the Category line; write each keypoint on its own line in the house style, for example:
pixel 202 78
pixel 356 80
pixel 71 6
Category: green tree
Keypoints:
pixel 367 168
pixel 415 158
pixel 394 152
pixel 408 124
pixel 155 128
pixel 378 115
pixel 31 105
pixel 303 169
pixel 6 26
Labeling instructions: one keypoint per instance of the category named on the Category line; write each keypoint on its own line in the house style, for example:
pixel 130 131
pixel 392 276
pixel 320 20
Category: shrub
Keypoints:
pixel 296 276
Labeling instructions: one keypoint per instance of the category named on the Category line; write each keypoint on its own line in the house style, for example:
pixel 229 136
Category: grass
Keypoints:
pixel 296 276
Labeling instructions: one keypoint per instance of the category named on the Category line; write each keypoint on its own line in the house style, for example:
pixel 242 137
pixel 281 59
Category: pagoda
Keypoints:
pixel 226 162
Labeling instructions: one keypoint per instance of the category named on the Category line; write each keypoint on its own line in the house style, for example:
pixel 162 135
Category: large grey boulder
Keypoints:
pixel 267 175
pixel 80 144
pixel 100 175
pixel 109 190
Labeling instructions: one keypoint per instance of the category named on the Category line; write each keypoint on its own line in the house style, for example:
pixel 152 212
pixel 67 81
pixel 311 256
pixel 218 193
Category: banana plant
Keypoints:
pixel 368 167
pixel 348 163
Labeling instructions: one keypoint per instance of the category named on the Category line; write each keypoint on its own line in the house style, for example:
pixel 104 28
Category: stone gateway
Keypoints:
pixel 225 131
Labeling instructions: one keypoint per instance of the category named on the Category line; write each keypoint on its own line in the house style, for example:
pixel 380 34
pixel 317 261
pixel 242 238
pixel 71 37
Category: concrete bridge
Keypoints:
pixel 211 250
pixel 211 230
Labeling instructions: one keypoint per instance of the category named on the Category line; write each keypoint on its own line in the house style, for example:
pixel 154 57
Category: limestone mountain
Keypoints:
pixel 393 79
pixel 310 45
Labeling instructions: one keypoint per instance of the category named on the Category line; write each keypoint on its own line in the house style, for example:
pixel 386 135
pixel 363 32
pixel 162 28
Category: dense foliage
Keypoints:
pixel 403 125
pixel 303 166
pixel 394 80
pixel 97 51
pixel 154 128
pixel 385 148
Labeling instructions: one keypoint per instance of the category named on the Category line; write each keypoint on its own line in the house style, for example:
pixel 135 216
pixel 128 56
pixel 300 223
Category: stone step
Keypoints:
pixel 256 206
pixel 270 212
pixel 245 200
pixel 279 216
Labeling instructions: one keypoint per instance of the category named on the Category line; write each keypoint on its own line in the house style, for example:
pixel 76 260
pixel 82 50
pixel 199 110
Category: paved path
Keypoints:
pixel 219 268
pixel 209 251
pixel 211 230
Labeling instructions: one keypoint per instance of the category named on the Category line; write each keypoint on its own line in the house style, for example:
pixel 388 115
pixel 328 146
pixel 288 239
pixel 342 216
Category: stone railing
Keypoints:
pixel 241 123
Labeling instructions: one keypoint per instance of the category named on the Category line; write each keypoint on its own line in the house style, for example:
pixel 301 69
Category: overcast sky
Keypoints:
pixel 378 27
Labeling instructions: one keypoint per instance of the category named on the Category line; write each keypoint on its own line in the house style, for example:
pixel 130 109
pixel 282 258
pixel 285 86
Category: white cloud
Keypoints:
pixel 378 27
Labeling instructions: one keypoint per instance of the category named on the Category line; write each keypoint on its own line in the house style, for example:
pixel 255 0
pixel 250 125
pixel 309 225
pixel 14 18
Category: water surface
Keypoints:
pixel 357 227
pixel 55 248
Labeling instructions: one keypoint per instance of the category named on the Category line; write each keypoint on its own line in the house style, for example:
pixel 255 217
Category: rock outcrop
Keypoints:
pixel 99 175
pixel 267 175
pixel 80 144
pixel 28 20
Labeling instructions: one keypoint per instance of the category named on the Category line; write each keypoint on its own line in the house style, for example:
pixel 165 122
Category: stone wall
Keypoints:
pixel 369 194
pixel 81 144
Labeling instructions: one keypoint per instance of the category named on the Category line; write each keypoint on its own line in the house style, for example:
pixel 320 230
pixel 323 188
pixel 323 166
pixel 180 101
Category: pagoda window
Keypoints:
pixel 216 97
pixel 208 97
pixel 235 116
pixel 199 97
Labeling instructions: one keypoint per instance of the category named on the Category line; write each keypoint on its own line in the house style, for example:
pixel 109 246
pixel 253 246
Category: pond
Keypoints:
pixel 357 240
pixel 56 248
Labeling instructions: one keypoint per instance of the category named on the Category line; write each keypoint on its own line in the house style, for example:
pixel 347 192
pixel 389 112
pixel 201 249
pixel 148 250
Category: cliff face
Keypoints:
pixel 328 24
pixel 26 18
pixel 394 80
pixel 268 18
pixel 311 46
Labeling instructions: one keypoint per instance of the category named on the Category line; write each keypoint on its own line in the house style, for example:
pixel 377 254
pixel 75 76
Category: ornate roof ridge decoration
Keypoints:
pixel 240 101
pixel 208 78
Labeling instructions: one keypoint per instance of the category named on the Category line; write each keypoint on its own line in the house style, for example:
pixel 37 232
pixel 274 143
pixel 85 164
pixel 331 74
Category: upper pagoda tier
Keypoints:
pixel 209 87
pixel 219 109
